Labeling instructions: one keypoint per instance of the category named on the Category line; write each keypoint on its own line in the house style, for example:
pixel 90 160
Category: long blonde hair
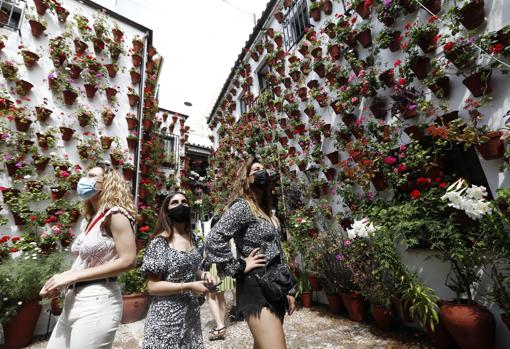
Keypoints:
pixel 243 190
pixel 115 193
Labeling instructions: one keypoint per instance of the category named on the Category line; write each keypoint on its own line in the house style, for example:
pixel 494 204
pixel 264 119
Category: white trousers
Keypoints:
pixel 90 318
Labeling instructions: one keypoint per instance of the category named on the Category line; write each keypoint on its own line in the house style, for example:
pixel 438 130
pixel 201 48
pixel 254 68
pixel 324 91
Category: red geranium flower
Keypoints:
pixel 442 185
pixel 415 194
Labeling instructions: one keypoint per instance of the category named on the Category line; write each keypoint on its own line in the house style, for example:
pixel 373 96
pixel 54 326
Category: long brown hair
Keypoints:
pixel 164 224
pixel 242 189
pixel 115 193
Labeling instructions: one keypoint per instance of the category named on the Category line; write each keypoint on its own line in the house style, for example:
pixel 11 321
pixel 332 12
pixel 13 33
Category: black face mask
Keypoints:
pixel 179 213
pixel 261 179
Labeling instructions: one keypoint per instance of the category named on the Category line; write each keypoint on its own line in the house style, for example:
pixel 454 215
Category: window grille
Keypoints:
pixel 294 24
pixel 11 13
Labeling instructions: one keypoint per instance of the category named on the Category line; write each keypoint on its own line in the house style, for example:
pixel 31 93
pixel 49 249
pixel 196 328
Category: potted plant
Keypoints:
pixel 132 121
pixel 108 114
pixel 315 10
pixel 30 58
pixel 437 81
pixel 118 155
pixel 419 65
pixel 89 147
pixel 9 70
pixel 388 38
pixel 128 171
pixel 134 293
pixel 133 96
pixel 69 92
pixel 112 69
pixel 59 50
pixel 116 49
pixel 135 76
pixel 469 13
pixel 85 117
pixel 37 24
pixel 425 36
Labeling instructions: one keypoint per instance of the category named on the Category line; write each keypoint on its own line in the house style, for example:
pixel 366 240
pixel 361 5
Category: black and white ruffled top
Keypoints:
pixel 248 233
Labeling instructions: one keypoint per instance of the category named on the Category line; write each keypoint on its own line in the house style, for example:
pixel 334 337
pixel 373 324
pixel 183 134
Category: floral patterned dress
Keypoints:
pixel 173 321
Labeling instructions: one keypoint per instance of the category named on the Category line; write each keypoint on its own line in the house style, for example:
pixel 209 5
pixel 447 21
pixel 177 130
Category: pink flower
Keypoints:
pixel 390 160
pixel 354 99
pixel 402 167
pixel 347 242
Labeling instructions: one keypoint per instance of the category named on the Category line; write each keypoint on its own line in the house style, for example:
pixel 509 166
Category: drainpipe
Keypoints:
pixel 140 119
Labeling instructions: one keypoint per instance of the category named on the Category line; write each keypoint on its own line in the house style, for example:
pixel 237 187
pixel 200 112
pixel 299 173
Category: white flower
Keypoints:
pixel 33 243
pixel 20 303
pixel 471 200
pixel 34 257
pixel 5 298
pixel 361 228
pixel 27 177
pixel 53 153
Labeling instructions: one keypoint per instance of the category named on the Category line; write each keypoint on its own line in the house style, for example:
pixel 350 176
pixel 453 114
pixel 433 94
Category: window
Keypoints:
pixel 294 24
pixel 11 13
pixel 169 146
pixel 261 75
pixel 243 107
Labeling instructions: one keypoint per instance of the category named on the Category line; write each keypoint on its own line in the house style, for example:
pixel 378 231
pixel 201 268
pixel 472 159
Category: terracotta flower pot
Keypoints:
pixel 30 58
pixel 62 14
pixel 132 123
pixel 472 15
pixel 133 100
pixel 42 113
pixel 316 14
pixel 379 181
pixel 379 110
pixel 80 46
pixel 69 97
pixel 394 45
pixel 128 173
pixel 494 148
pixel 441 87
pixel 506 320
pixel 421 67
pixel 135 77
pixel 433 6
pixel 74 71
pixel 356 307
pixel 137 60
pixel 22 125
pixel 132 142
pixel 112 70
pixel 386 77
pixel 117 35
pixel 306 299
pixel 327 7
pixel 40 7
pixel 106 142
pixel 415 132
pixel 134 307
pixel 471 325
pixel 384 318
pixel 314 283
pixel 334 157
pixel 41 164
pixel 18 331
pixel 365 38
pixel 363 11
pixel 408 5
pixel 137 46
pixel 336 305
pixel 427 43
pixel 147 124
pixel 83 120
pixel 440 337
pixel 479 84
pixel 23 87
pixel 110 93
pixel 279 16
pixel 98 45
pixel 37 28
pixel 90 90
pixel 67 133
pixel 108 117
pixel 57 193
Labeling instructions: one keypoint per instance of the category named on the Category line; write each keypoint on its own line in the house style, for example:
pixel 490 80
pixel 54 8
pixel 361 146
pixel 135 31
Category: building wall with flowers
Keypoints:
pixel 376 101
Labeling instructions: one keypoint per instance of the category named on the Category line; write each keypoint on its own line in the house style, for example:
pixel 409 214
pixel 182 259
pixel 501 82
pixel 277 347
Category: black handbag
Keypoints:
pixel 276 282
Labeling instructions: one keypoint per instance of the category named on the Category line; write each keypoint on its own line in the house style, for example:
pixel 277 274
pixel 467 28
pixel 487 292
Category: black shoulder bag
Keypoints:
pixel 276 282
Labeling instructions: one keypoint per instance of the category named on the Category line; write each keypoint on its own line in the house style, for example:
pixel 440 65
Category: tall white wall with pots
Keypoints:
pixel 497 13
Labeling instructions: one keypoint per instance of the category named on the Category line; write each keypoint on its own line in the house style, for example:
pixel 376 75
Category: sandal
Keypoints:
pixel 218 333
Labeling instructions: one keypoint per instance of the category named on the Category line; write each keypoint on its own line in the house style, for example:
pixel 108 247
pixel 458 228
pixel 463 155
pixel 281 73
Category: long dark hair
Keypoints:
pixel 164 224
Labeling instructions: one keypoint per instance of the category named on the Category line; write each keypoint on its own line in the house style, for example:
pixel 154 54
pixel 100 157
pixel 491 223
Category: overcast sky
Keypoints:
pixel 199 40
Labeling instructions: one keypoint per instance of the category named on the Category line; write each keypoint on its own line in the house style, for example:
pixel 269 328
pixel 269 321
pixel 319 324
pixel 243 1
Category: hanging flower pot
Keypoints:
pixel 42 113
pixel 379 181
pixel 330 174
pixel 357 308
pixel 62 14
pixel 320 69
pixel 74 71
pixel 112 70
pixel 147 124
pixel 106 142
pixel 108 117
pixel 317 53
pixel 363 11
pixel 36 27
pixel 67 133
pixel 132 142
pixel 494 148
pixel 22 125
pixel 471 325
pixel 386 77
pixel 11 168
pixel 334 157
pixel 98 44
pixel 133 100
pixel 110 93
pixel 506 320
pixel 420 67
pixel 69 97
pixel 394 45
pixel 90 90
pixel 365 38
pixel 441 87
pixel 384 317
pixel 41 162
pixel 29 58
pixel 80 46
pixel 279 16
pixel 5 103
pixel 83 120
pixel 279 41
pixel 334 52
pixel 479 84
pixel 137 46
pixel 132 123
pixel 40 7
pixel 322 99
pixel 23 87
pixel 136 59
pixel 135 77
pixel 433 6
pixel 408 5
pixel 415 132
pixel 327 7
pixel 379 110
pixel 128 173
pixel 472 15
pixel 117 35
pixel 295 75
pixel 19 330
pixel 42 140
pixel 427 42
pixel 57 193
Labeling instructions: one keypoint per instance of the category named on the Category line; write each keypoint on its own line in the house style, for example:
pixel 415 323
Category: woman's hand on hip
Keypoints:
pixel 292 304
pixel 254 260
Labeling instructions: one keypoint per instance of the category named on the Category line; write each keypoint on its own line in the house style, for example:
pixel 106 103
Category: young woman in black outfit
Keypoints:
pixel 249 220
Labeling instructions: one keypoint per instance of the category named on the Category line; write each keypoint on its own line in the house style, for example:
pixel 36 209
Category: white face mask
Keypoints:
pixel 86 188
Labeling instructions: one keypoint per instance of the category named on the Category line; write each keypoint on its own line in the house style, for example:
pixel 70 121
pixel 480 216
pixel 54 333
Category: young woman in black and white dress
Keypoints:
pixel 251 223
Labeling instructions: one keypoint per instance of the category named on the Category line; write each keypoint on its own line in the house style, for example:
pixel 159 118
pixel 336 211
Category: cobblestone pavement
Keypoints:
pixel 314 328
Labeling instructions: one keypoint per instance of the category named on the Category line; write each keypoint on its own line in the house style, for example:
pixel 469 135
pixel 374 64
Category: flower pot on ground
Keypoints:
pixel 314 282
pixel 472 15
pixel 306 299
pixel 356 307
pixel 18 331
pixel 479 83
pixel 336 305
pixel 36 27
pixel 440 337
pixel 384 317
pixel 506 320
pixel 67 133
pixel 470 324
pixel 29 58
pixel 23 87
pixel 134 307
pixel 494 148
pixel 42 113
pixel 90 90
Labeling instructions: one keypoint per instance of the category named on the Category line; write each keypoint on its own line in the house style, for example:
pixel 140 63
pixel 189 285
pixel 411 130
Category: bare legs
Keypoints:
pixel 267 331
pixel 217 305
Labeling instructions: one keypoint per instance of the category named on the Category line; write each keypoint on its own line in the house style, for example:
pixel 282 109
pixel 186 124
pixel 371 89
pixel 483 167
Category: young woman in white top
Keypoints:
pixel 104 248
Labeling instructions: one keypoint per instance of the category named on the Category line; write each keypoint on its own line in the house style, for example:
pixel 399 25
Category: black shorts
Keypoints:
pixel 251 299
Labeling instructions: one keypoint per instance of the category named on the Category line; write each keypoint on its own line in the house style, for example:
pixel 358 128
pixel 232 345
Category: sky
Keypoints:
pixel 199 41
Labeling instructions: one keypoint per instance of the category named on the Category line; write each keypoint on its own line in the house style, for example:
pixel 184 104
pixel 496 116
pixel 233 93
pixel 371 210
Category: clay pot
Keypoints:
pixel 421 67
pixel 314 283
pixel 472 15
pixel 37 28
pixel 379 110
pixel 74 71
pixel 408 5
pixel 62 14
pixel 433 6
pixel 379 182
pixel 394 46
pixel 132 123
pixel 471 325
pixel 279 16
pixel 40 7
pixel 57 193
pixel 384 318
pixel 41 166
pixel 22 125
pixel 69 97
pixel 137 46
pixel 42 113
pixel 117 35
pixel 479 84
pixel 427 43
pixel 18 331
pixel 90 90
pixel 23 87
pixel 135 77
pixel 147 124
pixel 440 336
pixel 336 305
pixel 133 100
pixel 356 307
pixel 67 133
pixel 494 148
pixel 306 299
pixel 30 58
pixel 386 77
pixel 316 14
pixel 415 132
pixel 134 307
pixel 110 93
pixel 334 157
pixel 136 59
pixel 128 173
pixel 112 70
pixel 80 46
pixel 132 142
pixel 106 142
pixel 441 87
pixel 506 320
pixel 365 38
pixel 98 45
pixel 363 11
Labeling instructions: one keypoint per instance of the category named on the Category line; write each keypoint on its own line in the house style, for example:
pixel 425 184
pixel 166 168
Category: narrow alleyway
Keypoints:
pixel 314 328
